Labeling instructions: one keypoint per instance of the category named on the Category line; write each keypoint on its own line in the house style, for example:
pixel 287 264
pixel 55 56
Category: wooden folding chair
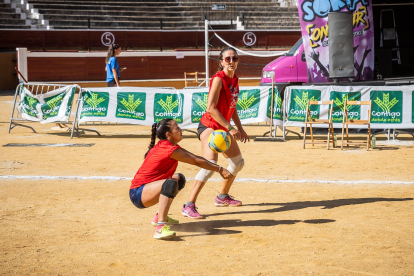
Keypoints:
pixel 346 121
pixel 310 121
pixel 195 80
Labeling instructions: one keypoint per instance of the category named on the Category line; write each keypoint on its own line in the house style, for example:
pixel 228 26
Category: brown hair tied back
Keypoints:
pixel 111 52
pixel 221 56
pixel 158 130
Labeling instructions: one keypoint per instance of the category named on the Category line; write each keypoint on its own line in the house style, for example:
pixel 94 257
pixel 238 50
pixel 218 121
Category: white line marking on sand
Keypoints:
pixel 262 180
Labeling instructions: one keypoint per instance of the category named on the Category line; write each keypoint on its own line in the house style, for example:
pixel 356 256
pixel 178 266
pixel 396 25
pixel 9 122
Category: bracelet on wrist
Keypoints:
pixel 230 128
pixel 220 168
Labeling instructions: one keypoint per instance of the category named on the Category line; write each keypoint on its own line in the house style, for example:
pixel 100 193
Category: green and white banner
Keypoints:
pixel 144 106
pixel 391 106
pixel 53 106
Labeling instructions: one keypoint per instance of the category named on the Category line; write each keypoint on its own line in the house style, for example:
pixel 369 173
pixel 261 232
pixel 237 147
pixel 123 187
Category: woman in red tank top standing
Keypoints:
pixel 221 109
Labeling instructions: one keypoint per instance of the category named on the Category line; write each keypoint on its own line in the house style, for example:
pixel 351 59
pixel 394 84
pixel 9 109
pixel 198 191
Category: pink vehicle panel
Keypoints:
pixel 289 68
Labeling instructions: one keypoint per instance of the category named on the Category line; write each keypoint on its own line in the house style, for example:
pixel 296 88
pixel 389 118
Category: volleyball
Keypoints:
pixel 219 141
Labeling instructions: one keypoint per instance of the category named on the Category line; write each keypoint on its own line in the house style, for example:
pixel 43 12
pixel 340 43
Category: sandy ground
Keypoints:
pixel 291 222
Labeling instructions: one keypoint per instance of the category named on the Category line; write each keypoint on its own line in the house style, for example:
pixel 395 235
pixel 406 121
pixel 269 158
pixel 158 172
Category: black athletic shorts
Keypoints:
pixel 200 129
pixel 112 83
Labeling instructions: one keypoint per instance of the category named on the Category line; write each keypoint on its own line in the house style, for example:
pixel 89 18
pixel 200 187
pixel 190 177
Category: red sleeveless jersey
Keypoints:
pixel 157 165
pixel 229 94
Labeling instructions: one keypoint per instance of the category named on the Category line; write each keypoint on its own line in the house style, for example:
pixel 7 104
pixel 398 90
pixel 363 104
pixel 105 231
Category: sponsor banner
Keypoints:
pixel 354 111
pixel 391 106
pixel 198 106
pixel 248 104
pixel 277 105
pixel 131 105
pixel 53 106
pixel 144 106
pixel 313 17
pixel 387 107
pixel 299 102
pixel 95 104
pixel 168 105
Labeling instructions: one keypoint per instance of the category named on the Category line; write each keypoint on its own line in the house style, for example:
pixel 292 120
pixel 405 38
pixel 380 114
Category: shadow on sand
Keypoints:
pixel 215 227
pixel 326 204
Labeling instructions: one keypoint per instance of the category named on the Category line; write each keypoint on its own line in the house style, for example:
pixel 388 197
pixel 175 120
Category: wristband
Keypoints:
pixel 230 128
pixel 220 167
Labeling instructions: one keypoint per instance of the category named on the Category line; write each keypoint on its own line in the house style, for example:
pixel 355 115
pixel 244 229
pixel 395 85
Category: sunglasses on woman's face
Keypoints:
pixel 228 59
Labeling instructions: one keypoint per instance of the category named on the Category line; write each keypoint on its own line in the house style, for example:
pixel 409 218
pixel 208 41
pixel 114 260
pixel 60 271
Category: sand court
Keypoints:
pixel 309 211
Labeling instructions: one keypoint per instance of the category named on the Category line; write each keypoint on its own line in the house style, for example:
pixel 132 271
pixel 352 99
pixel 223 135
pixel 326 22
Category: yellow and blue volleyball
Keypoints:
pixel 219 141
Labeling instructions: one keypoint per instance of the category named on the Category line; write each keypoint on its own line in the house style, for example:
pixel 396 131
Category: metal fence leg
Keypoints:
pixel 14 106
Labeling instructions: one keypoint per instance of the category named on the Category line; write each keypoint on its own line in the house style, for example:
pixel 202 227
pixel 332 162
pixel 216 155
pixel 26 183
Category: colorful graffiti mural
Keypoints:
pixel 314 25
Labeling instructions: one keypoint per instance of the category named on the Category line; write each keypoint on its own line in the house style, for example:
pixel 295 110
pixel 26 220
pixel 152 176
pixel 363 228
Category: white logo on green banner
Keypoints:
pixel 95 104
pixel 299 102
pixel 277 105
pixel 29 105
pixel 168 106
pixel 131 105
pixel 52 104
pixel 387 107
pixel 354 111
pixel 198 106
pixel 248 104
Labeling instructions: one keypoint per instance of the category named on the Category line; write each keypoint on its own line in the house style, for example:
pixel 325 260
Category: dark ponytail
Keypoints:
pixel 221 56
pixel 158 130
pixel 111 52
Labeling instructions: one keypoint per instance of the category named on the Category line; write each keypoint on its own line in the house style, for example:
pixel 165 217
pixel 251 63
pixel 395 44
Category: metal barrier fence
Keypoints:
pixel 16 118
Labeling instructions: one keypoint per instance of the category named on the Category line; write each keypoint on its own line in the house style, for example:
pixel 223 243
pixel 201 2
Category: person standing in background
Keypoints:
pixel 112 66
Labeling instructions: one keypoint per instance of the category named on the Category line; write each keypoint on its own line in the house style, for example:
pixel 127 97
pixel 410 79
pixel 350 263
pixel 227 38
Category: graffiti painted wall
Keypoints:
pixel 314 25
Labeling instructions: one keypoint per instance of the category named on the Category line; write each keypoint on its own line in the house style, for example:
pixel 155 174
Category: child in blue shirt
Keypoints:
pixel 112 67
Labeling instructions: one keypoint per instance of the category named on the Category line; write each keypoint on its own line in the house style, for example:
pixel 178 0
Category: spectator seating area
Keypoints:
pixel 144 14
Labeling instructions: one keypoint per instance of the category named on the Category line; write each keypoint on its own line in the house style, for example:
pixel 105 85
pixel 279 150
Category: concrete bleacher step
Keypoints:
pixel 13 26
pixel 12 21
pixel 9 15
pixel 128 23
pixel 107 3
pixel 5 8
pixel 92 18
pixel 132 14
pixel 115 8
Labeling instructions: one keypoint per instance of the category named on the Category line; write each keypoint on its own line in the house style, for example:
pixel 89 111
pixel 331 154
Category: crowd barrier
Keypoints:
pixel 136 105
pixel 392 106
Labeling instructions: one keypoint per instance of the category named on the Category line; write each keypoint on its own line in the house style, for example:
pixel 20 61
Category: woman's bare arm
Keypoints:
pixel 187 157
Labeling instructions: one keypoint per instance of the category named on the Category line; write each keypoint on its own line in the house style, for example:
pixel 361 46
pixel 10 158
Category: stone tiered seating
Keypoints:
pixel 271 17
pixel 145 14
pixel 74 14
pixel 9 19
pixel 261 14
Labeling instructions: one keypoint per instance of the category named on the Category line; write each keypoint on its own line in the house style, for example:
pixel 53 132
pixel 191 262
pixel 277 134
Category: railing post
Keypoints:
pixel 89 23
pixel 206 51
pixel 161 24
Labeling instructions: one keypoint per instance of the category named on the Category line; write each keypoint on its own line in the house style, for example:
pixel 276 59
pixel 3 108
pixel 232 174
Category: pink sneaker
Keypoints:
pixel 227 201
pixel 191 212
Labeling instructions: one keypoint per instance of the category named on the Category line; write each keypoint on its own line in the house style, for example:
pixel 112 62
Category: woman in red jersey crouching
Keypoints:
pixel 156 180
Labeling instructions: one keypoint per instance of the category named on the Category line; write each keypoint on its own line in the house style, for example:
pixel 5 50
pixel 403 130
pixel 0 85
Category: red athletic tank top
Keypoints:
pixel 229 94
pixel 157 165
